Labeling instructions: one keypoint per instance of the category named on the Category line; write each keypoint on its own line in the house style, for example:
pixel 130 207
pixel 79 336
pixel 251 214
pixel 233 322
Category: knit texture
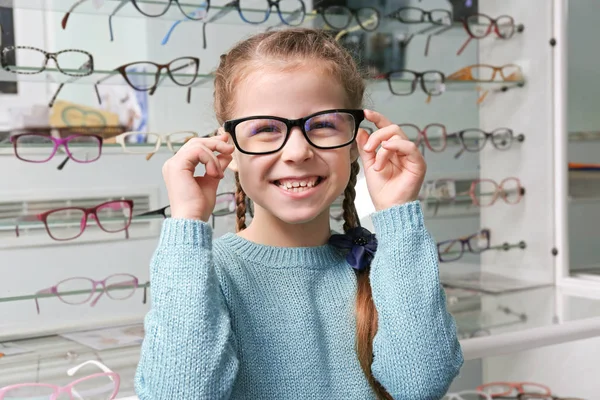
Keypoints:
pixel 232 319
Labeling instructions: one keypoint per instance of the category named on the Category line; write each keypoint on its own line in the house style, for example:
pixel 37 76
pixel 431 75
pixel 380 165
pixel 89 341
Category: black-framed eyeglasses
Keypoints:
pixel 474 140
pixel 453 249
pixel 265 134
pixel 291 13
pixel 415 15
pixel 340 17
pixel 404 82
pixel 145 76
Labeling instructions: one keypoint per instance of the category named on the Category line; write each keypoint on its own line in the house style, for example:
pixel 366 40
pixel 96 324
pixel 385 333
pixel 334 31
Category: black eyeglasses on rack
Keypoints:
pixel 415 15
pixel 145 76
pixel 340 17
pixel 404 82
pixel 474 140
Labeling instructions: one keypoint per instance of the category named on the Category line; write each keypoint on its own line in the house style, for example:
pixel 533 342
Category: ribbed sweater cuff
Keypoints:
pixel 177 232
pixel 393 220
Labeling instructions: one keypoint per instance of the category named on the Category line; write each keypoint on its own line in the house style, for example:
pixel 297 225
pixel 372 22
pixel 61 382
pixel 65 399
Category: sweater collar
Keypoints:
pixel 317 257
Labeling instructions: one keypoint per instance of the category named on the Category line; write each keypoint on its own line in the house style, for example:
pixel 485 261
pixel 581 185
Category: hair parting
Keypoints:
pixel 286 50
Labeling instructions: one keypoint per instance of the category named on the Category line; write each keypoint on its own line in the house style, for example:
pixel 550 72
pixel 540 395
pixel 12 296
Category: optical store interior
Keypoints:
pixel 499 96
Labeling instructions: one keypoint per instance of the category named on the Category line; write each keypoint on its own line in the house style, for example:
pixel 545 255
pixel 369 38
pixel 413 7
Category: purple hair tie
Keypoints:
pixel 361 244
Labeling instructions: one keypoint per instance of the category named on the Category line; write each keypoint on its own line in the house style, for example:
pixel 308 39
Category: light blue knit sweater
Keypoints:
pixel 232 319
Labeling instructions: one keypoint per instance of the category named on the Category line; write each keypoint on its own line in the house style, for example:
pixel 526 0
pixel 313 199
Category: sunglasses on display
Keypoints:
pixel 145 76
pixel 80 290
pixel 69 223
pixel 329 129
pixel 103 385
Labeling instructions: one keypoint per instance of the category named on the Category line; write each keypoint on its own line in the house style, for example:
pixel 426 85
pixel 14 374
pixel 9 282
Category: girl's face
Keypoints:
pixel 293 94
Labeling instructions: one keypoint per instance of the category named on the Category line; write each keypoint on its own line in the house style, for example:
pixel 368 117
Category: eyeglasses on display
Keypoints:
pixel 145 76
pixel 479 26
pixel 404 82
pixel 41 148
pixel 501 389
pixel 80 290
pixel 340 17
pixel 415 15
pixel 433 135
pixel 226 204
pixel 129 141
pixel 165 212
pixel 329 129
pixel 69 223
pixel 103 385
pixel 485 192
pixel 453 249
pixel 474 140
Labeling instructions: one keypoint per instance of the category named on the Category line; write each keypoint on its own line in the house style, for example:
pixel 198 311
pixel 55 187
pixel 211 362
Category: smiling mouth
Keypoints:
pixel 298 185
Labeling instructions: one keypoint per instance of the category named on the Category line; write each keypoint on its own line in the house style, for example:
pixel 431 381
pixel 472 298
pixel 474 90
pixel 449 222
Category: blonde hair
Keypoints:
pixel 289 49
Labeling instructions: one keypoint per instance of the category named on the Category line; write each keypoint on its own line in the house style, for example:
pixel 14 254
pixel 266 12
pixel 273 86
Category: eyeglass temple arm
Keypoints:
pixel 115 11
pixel 30 218
pixel 227 8
pixel 87 64
pixel 144 299
pixel 99 81
pixel 68 13
pixel 76 368
pixel 174 24
pixel 374 18
pixel 43 291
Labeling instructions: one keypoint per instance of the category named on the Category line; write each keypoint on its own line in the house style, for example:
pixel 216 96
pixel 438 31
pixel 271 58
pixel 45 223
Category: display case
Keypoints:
pixel 514 225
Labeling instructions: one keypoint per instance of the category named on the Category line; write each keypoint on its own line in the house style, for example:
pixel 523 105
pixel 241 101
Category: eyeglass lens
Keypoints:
pixel 192 9
pixel 291 12
pixel 485 191
pixel 40 148
pixel 434 135
pixel 324 130
pixel 95 387
pixel 143 75
pixel 68 289
pixel 340 17
pixel 69 62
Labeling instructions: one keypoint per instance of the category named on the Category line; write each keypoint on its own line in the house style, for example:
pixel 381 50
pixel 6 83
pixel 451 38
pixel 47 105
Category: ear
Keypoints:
pixel 233 165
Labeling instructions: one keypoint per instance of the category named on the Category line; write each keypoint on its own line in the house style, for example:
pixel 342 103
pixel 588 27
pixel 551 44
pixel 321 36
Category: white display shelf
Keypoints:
pixel 550 316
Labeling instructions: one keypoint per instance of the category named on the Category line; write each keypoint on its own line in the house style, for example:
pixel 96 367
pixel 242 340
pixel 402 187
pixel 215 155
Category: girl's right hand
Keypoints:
pixel 194 197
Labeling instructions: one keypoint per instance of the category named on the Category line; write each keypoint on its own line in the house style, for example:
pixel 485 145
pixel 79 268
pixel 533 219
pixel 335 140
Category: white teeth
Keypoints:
pixel 303 184
pixel 298 186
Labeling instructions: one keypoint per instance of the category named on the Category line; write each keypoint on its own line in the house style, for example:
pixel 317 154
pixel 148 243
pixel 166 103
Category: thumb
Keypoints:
pixel 367 157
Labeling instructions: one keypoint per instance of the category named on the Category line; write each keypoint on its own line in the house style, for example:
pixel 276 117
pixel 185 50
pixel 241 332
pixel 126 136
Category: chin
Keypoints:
pixel 297 216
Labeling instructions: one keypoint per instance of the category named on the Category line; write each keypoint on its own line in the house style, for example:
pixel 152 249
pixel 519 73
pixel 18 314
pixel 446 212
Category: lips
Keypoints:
pixel 298 184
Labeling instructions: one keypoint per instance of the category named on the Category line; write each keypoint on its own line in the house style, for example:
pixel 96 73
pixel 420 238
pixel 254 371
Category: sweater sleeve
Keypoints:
pixel 416 353
pixel 188 350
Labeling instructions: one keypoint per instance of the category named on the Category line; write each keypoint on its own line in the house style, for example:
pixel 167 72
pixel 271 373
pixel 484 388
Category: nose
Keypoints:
pixel 297 149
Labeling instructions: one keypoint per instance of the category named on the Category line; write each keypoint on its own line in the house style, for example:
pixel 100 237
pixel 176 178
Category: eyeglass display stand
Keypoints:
pixel 541 314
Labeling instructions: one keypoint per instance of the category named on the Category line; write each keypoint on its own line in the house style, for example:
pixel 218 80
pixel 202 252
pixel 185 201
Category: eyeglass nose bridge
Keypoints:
pixel 96 284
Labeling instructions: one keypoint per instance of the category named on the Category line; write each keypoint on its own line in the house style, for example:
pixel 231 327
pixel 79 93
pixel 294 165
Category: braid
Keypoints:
pixel 350 215
pixel 240 205
pixel 366 313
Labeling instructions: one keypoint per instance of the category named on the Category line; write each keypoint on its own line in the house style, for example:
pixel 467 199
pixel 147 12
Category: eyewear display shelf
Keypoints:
pixel 533 306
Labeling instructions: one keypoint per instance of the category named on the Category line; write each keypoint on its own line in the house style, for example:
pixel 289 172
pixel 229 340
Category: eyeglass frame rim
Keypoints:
pixel 58 142
pixel 499 191
pixel 494 23
pixel 54 289
pixel 423 14
pixel 134 2
pixel 48 55
pixel 488 135
pixel 418 78
pixel 423 135
pixel 358 115
pixel 466 240
pixel 43 217
pixel 120 139
pixel 353 14
pixel 61 389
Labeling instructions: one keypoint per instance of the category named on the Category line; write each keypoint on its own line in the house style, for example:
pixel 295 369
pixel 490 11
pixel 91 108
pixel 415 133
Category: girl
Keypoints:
pixel 282 310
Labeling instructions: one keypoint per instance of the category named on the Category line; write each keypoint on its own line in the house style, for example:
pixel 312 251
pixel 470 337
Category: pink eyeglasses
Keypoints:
pixel 68 223
pixel 79 290
pixel 104 385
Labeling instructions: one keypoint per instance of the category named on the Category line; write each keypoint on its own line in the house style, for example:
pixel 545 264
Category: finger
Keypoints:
pixel 212 166
pixel 224 160
pixel 405 148
pixel 215 143
pixel 378 119
pixel 198 154
pixel 367 157
pixel 383 134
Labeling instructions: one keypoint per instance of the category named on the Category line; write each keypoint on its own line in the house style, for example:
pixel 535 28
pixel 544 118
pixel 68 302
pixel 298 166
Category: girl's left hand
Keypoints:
pixel 396 172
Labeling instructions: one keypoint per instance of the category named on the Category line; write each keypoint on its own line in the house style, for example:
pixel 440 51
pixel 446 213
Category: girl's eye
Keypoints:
pixel 265 129
pixel 322 125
